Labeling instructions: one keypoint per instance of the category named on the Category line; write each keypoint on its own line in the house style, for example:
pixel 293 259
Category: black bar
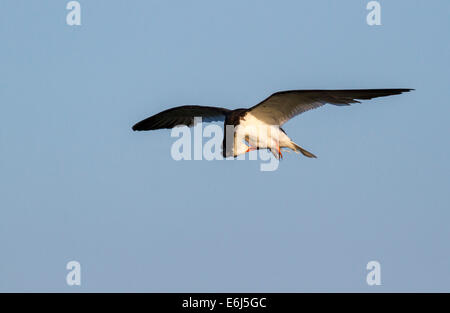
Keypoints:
pixel 225 302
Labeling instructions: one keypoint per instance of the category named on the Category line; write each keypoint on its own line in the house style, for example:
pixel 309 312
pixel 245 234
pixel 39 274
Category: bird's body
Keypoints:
pixel 260 135
pixel 259 127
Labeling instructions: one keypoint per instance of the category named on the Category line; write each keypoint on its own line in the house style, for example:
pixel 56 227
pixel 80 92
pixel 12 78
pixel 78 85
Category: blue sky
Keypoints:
pixel 77 184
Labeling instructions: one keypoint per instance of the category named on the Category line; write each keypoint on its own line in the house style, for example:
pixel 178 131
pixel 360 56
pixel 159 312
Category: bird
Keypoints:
pixel 259 127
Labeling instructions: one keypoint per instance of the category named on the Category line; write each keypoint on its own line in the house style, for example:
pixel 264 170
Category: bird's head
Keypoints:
pixel 241 149
pixel 237 149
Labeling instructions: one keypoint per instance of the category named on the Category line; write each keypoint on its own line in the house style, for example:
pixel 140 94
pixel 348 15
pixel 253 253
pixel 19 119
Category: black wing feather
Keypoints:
pixel 183 115
pixel 282 106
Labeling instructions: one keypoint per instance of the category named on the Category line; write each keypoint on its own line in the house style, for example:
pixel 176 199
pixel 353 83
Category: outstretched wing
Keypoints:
pixel 282 106
pixel 183 115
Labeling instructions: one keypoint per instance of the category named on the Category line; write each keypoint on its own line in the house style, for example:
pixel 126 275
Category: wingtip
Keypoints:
pixel 137 127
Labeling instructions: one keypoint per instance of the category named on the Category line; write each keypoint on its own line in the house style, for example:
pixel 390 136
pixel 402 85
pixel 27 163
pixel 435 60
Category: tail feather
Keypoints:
pixel 303 151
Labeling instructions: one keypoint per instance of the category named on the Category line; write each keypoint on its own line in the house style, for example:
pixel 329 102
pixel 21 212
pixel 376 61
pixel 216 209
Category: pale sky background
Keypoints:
pixel 77 184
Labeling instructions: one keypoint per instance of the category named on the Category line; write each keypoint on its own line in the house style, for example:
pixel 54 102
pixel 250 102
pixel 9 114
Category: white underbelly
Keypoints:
pixel 260 134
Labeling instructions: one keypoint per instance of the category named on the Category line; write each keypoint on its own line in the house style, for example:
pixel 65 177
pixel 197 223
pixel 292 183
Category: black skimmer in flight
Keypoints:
pixel 259 127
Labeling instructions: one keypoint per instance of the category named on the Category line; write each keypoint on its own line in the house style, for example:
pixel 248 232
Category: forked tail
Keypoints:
pixel 297 148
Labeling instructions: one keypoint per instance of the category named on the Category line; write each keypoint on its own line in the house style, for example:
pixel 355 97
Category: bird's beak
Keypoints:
pixel 250 149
